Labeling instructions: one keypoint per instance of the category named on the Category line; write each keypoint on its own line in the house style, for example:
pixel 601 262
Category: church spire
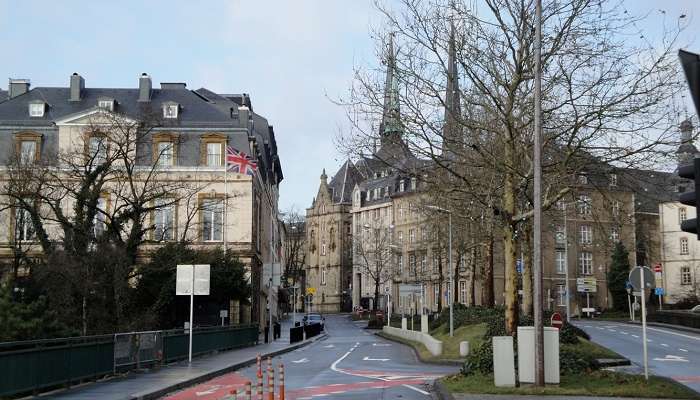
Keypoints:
pixel 452 137
pixel 390 127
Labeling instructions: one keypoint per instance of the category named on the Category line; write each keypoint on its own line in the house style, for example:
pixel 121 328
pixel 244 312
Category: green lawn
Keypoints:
pixel 599 383
pixel 596 350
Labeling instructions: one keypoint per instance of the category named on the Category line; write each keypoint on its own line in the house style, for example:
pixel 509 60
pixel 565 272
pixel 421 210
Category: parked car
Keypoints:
pixel 695 309
pixel 314 319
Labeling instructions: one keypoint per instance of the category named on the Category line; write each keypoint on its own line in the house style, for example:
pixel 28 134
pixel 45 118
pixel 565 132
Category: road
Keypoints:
pixel 352 363
pixel 672 353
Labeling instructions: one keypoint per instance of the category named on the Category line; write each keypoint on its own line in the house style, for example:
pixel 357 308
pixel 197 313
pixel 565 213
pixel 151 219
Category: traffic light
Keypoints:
pixel 691 66
pixel 691 171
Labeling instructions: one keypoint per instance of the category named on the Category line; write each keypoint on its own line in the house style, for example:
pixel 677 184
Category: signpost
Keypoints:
pixel 641 278
pixel 192 280
pixel 556 321
pixel 588 286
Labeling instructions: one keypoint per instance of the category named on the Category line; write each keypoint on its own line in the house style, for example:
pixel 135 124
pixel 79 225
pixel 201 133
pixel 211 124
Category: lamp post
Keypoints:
pixel 451 277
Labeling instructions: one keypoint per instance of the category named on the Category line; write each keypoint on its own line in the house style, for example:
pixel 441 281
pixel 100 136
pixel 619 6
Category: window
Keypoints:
pixel 613 179
pixel 401 186
pixel 423 234
pixel 24 229
pixel 463 292
pixel 170 110
pixel 400 210
pixel 585 234
pixel 436 294
pixel 585 262
pixel 213 220
pixel 560 235
pixel 413 183
pixel 411 235
pixel 27 151
pixel 323 276
pixel 386 192
pixel 560 205
pixel 561 295
pixel 583 204
pixel 582 179
pixel 682 215
pixel 98 224
pixel 686 278
pixel 98 150
pixel 106 104
pixel 684 246
pixel 323 247
pixel 400 237
pixel 614 234
pixel 423 263
pixel 560 261
pixel 399 263
pixel 164 221
pixel 412 264
pixel 214 154
pixel 37 109
pixel 165 154
pixel 615 208
pixel 436 260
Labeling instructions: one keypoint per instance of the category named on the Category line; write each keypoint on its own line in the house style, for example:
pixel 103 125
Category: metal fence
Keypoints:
pixel 29 367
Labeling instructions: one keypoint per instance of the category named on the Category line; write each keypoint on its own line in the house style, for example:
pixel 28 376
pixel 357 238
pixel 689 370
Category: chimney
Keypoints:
pixel 77 84
pixel 145 86
pixel 243 116
pixel 18 87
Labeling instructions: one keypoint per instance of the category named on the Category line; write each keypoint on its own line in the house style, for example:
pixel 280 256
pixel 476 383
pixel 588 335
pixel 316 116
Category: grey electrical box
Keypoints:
pixel 503 361
pixel 526 354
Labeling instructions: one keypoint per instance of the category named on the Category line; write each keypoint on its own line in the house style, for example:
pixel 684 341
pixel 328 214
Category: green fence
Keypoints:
pixel 37 365
pixel 29 367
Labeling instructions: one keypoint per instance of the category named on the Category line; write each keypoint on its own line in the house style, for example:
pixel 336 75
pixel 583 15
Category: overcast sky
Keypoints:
pixel 290 56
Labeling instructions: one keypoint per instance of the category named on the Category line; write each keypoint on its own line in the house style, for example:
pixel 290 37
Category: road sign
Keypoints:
pixel 409 289
pixel 310 290
pixel 586 285
pixel 659 291
pixel 519 266
pixel 635 278
pixel 185 275
pixel 556 321
pixel 657 267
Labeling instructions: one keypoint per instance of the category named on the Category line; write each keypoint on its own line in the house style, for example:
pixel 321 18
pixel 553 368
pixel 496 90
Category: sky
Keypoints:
pixel 292 57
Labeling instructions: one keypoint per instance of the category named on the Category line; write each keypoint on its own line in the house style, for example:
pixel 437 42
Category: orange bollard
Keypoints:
pixel 260 389
pixel 259 367
pixel 248 391
pixel 281 384
pixel 234 394
pixel 270 380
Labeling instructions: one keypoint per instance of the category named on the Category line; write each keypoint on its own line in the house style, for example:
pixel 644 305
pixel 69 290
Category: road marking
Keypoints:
pixel 624 333
pixel 635 336
pixel 374 359
pixel 612 330
pixel 303 360
pixel 664 344
pixel 330 346
pixel 683 350
pixel 672 358
pixel 649 340
pixel 381 344
pixel 587 326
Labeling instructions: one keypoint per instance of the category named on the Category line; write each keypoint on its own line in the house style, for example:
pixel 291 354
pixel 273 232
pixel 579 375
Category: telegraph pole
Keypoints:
pixel 537 167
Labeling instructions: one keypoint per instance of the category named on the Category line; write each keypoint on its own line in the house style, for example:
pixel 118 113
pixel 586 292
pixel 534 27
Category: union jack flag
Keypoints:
pixel 240 162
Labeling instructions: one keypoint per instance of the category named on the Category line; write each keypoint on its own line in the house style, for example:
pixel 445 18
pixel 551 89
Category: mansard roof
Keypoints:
pixel 3 95
pixel 343 182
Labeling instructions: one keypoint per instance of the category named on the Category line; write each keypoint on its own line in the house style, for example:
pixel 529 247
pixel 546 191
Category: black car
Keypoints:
pixel 314 319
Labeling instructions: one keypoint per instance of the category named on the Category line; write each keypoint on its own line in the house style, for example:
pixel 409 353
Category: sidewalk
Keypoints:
pixel 513 397
pixel 158 382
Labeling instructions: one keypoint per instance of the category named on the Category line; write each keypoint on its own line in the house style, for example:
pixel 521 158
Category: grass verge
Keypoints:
pixel 474 334
pixel 595 350
pixel 598 383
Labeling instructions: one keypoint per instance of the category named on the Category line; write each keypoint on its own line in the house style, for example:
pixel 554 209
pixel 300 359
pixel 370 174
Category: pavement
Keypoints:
pixel 672 353
pixel 158 382
pixel 350 363
pixel 512 397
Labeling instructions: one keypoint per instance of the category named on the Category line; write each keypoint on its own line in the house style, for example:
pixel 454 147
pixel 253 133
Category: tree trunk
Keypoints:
pixel 487 296
pixel 526 251
pixel 510 274
pixel 376 295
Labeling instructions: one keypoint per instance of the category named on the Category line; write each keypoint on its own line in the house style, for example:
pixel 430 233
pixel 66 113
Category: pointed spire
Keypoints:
pixel 324 177
pixel 687 150
pixel 452 132
pixel 390 126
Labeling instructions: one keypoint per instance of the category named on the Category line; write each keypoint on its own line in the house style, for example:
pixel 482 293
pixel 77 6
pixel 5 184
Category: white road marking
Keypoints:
pixel 330 346
pixel 624 333
pixel 612 330
pixel 374 359
pixel 649 340
pixel 635 336
pixel 672 358
pixel 587 326
pixel 213 389
pixel 664 344
pixel 303 360
pixel 683 350
pixel 381 344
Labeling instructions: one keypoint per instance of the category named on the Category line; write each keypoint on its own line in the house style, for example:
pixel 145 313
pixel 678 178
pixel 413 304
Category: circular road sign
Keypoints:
pixel 556 321
pixel 635 278
pixel 657 267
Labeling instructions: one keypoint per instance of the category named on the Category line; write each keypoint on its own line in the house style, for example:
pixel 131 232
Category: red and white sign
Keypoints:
pixel 556 321
pixel 657 267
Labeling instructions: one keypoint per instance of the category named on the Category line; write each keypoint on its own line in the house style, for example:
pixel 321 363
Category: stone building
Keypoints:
pixel 191 134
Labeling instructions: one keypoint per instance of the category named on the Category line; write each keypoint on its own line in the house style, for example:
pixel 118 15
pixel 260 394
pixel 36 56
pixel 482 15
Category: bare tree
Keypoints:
pixel 294 245
pixel 606 99
pixel 374 256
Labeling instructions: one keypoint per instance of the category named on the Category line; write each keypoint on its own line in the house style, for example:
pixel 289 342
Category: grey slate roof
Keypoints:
pixel 652 187
pixel 342 184
pixel 3 95
pixel 194 111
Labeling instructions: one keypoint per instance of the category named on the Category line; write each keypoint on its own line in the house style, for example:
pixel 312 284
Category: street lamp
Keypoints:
pixel 451 278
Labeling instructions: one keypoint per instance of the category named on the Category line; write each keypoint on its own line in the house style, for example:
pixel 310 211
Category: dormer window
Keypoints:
pixel 401 186
pixel 37 108
pixel 413 183
pixel 170 110
pixel 106 104
pixel 582 179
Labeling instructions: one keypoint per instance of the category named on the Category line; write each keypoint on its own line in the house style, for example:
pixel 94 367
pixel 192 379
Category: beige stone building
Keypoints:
pixel 187 148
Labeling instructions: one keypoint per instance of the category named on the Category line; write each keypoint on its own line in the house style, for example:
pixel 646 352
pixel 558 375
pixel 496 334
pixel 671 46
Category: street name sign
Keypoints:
pixel 586 285
pixel 409 289
pixel 192 280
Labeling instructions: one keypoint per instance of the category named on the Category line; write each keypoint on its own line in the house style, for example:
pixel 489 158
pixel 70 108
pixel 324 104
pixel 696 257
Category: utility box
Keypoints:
pixel 424 323
pixel 526 354
pixel 464 348
pixel 503 361
pixel 404 323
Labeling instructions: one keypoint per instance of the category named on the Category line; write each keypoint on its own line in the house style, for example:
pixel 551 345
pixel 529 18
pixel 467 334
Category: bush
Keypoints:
pixel 570 334
pixel 480 360
pixel 574 361
pixel 375 323
pixel 686 302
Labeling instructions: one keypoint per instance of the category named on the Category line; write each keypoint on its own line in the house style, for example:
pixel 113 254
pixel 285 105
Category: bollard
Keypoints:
pixel 260 389
pixel 248 391
pixel 281 384
pixel 270 380
pixel 234 394
pixel 259 367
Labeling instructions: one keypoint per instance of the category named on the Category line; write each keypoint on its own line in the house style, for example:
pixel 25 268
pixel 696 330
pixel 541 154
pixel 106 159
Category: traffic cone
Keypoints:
pixel 281 384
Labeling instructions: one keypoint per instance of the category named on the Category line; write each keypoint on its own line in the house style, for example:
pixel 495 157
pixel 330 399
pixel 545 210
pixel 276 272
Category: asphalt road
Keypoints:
pixel 671 353
pixel 352 363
